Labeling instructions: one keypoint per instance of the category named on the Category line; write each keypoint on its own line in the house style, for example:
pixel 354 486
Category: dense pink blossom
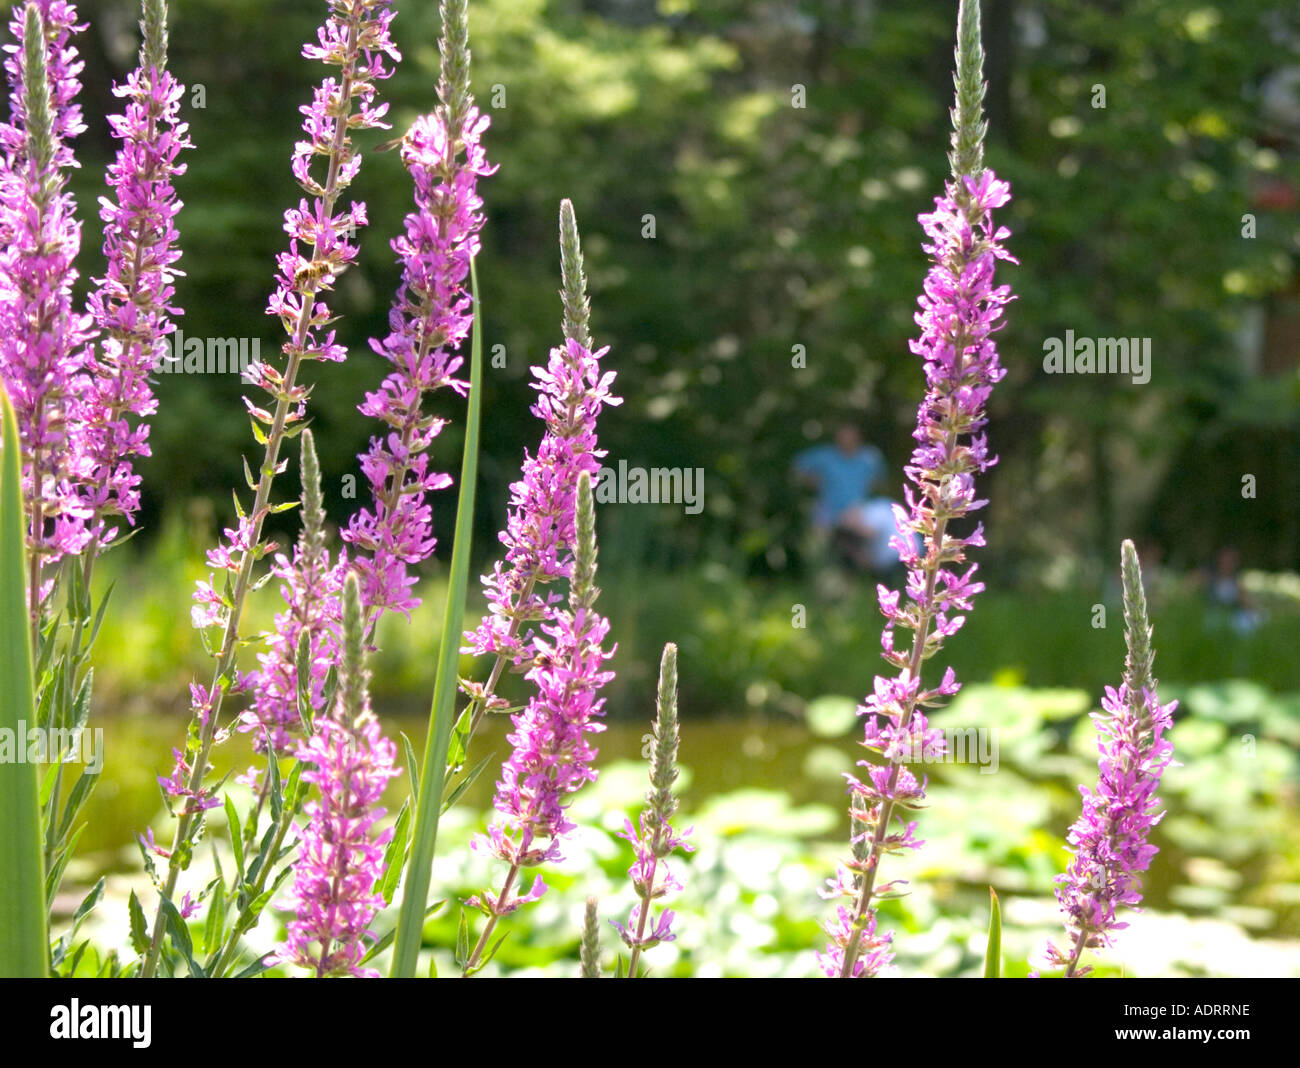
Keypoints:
pixel 651 878
pixel 540 524
pixel 322 240
pixel 322 243
pixel 311 588
pixel 551 754
pixel 42 338
pixel 131 304
pixel 960 309
pixel 430 319
pixel 338 858
pixel 875 956
pixel 1109 844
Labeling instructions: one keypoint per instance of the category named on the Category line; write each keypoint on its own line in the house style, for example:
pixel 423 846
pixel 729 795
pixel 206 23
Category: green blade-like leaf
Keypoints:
pixel 139 925
pixel 993 955
pixel 24 944
pixel 236 837
pixel 256 968
pixel 465 783
pixel 419 868
pixel 386 939
pixel 395 856
pixel 412 767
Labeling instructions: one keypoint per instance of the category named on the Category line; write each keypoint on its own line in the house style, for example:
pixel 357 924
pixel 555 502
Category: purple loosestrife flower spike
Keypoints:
pixel 960 309
pixel 1108 843
pixel 339 860
pixel 430 320
pixel 42 339
pixel 131 304
pixel 656 839
pixel 355 38
pixel 311 589
pixel 590 952
pixel 552 756
pixel 540 524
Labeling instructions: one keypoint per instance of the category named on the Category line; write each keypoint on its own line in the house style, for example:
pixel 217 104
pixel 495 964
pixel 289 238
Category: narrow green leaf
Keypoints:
pixel 236 837
pixel 419 871
pixel 81 792
pixel 459 748
pixel 88 904
pixel 215 927
pixel 993 955
pixel 99 615
pixel 139 926
pixel 412 767
pixel 180 933
pixel 48 779
pixel 277 787
pixel 395 856
pixel 386 939
pixel 81 704
pixel 462 939
pixel 24 943
pixel 47 645
pixel 71 969
pixel 465 783
pixel 256 968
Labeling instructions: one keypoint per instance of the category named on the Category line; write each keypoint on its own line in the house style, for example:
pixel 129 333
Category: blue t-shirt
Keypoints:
pixel 841 480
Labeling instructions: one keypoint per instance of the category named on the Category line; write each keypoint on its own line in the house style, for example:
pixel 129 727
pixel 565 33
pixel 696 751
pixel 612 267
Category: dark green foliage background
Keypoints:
pixel 779 226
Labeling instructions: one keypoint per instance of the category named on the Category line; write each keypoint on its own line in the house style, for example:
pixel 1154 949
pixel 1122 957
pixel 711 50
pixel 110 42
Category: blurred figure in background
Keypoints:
pixel 848 522
pixel 1226 594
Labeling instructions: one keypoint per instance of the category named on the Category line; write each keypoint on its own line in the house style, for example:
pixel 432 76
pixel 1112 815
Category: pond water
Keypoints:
pixel 719 757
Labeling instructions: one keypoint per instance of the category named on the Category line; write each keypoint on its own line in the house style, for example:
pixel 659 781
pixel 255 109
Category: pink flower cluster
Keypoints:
pixel 959 312
pixel 540 524
pixel 355 38
pixel 338 861
pixel 1108 843
pixel 551 755
pixel 651 878
pixel 430 319
pixel 43 355
pixel 132 302
pixel 311 589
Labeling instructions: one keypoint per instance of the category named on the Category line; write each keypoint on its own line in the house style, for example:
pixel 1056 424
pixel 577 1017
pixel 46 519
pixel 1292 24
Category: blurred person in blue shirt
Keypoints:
pixel 846 515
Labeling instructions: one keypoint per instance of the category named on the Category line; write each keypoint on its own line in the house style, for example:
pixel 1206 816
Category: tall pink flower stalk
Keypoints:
pixel 551 755
pixel 539 529
pixel 355 38
pixel 1109 847
pixel 42 338
pixel 960 309
pixel 132 303
pixel 539 533
pixel 429 321
pixel 339 859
